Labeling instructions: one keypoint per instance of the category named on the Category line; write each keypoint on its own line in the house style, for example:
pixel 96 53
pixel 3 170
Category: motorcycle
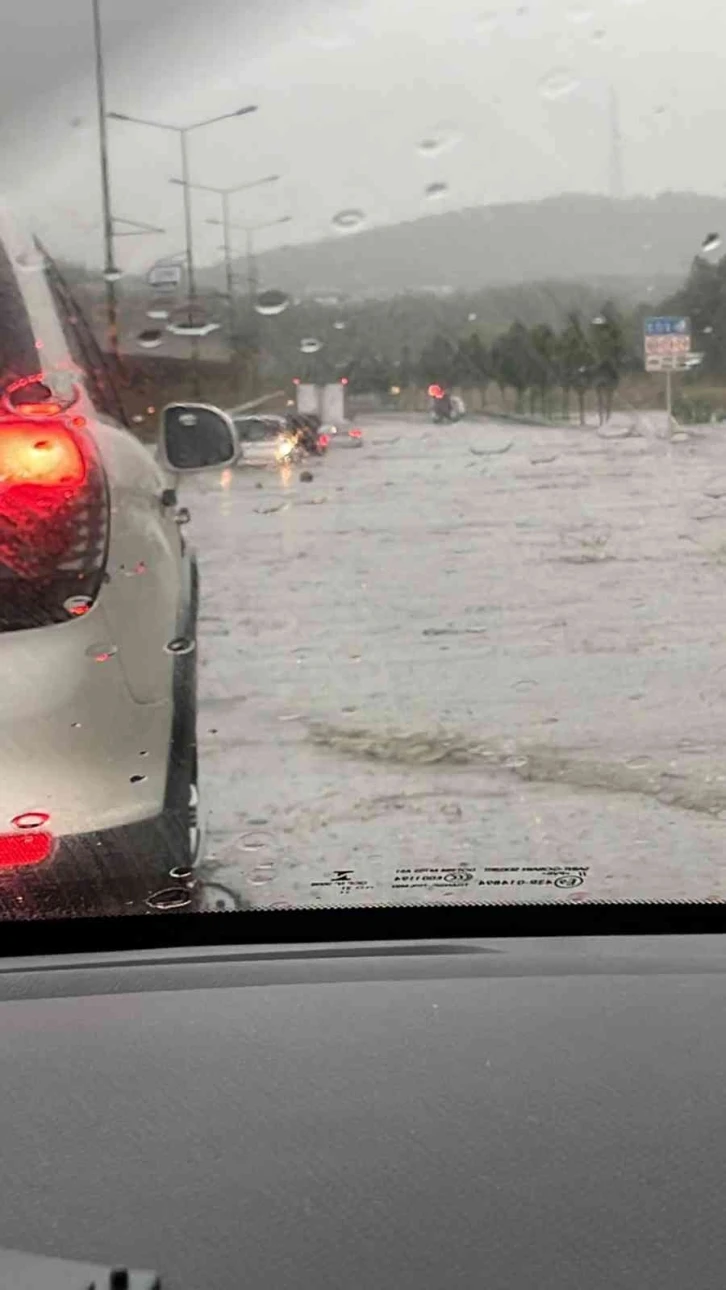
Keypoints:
pixel 445 408
pixel 307 437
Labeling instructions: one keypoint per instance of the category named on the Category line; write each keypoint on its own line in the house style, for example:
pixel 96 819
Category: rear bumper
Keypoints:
pixel 126 870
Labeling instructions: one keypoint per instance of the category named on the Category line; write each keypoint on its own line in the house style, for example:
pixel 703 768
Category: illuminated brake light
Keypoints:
pixel 356 434
pixel 18 850
pixel 54 519
pixel 324 440
pixel 47 456
pixel 40 409
pixel 436 392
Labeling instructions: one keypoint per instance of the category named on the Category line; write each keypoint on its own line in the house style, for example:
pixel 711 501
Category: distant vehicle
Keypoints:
pixel 343 434
pixel 263 440
pixel 333 409
pixel 308 399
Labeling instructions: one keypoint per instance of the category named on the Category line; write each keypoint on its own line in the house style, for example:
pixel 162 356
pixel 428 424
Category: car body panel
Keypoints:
pixel 145 566
pixel 87 706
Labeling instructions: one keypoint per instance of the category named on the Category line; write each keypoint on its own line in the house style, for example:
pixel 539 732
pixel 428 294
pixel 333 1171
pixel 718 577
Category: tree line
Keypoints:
pixel 537 369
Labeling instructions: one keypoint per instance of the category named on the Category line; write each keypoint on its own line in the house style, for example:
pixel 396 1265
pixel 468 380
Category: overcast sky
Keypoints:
pixel 518 94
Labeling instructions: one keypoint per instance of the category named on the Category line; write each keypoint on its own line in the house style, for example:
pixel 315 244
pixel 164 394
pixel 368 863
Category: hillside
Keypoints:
pixel 571 237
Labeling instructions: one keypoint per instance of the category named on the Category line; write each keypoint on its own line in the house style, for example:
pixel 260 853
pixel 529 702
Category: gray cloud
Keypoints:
pixel 346 94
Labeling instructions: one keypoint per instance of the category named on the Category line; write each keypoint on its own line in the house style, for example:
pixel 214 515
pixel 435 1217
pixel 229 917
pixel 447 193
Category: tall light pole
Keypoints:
pixel 134 227
pixel 226 194
pixel 249 231
pixel 183 132
pixel 110 272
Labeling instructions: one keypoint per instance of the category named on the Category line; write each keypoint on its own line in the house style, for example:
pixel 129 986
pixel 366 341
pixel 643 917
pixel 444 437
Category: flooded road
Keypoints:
pixel 484 662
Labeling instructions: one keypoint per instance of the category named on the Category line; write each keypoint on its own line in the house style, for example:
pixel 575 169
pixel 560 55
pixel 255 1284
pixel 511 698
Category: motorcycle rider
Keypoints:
pixel 441 403
pixel 305 431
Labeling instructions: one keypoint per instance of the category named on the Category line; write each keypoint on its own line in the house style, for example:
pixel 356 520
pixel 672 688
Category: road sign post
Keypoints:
pixel 667 348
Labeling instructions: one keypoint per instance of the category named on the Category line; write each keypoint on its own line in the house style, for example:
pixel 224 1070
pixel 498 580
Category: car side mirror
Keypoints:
pixel 196 436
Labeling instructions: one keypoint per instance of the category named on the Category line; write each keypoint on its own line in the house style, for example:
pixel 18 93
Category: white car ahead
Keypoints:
pixel 98 612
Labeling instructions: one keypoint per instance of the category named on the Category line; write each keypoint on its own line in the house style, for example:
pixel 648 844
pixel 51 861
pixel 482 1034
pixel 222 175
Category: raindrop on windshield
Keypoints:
pixel 310 345
pixel 159 315
pixel 101 653
pixel 434 144
pixel 30 261
pixel 472 318
pixel 182 328
pixel 711 242
pixel 436 189
pixel 348 221
pixel 150 338
pixel 112 275
pixel 558 84
pixel 339 325
pixel 599 321
pixel 255 841
pixel 77 606
pixel 271 302
pixel 180 645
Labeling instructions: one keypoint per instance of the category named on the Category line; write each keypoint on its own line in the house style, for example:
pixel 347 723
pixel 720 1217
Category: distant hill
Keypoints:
pixel 645 241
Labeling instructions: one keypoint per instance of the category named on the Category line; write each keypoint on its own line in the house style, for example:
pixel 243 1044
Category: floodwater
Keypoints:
pixel 484 662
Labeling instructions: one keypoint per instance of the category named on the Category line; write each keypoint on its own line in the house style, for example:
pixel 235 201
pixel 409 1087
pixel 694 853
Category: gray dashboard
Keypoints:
pixel 504 1115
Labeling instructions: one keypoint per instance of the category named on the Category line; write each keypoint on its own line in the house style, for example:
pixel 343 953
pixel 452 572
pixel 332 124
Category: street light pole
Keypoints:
pixel 108 230
pixel 183 131
pixel 188 230
pixel 226 194
pixel 249 231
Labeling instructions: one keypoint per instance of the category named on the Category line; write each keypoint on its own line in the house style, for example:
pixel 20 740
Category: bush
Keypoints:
pixel 698 409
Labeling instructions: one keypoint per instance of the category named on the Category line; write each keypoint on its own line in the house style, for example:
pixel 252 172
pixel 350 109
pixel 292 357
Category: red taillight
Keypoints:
pixel 53 520
pixel 324 440
pixel 20 849
pixel 41 409
pixel 43 454
pixel 344 380
pixel 356 434
pixel 436 391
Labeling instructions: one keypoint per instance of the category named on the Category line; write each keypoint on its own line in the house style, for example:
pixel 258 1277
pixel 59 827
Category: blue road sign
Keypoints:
pixel 667 326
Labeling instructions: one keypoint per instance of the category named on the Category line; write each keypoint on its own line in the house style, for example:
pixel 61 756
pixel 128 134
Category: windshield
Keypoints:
pixel 458 635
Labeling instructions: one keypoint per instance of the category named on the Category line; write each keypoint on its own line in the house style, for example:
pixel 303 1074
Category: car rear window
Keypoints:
pixel 18 353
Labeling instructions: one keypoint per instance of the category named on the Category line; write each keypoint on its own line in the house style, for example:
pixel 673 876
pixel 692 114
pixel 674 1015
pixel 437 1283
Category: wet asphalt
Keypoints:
pixel 484 662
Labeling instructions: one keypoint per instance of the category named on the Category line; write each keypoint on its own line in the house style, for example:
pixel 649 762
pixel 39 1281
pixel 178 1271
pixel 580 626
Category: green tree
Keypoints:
pixel 473 364
pixel 511 362
pixel 438 362
pixel 576 363
pixel 610 350
pixel 544 364
pixel 702 298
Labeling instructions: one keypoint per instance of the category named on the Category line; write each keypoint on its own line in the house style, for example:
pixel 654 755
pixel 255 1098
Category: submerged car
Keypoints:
pixel 99 808
pixel 263 440
pixel 342 434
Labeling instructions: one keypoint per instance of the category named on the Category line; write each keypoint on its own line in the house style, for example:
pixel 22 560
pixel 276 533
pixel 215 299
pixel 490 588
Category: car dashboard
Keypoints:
pixel 465 1113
